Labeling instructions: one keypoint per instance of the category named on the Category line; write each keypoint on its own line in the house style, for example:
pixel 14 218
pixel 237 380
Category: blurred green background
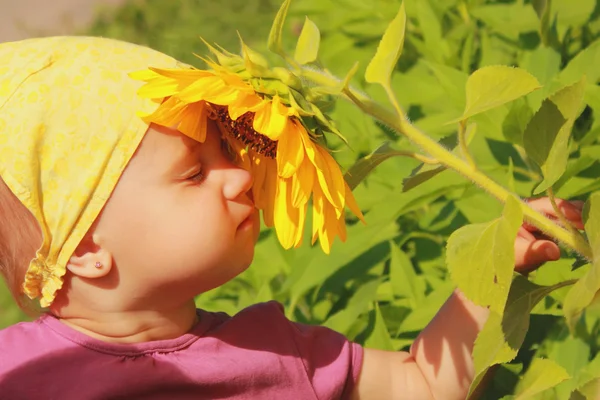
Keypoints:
pixel 385 283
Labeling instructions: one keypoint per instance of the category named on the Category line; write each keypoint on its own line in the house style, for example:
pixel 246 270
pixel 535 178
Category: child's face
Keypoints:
pixel 180 221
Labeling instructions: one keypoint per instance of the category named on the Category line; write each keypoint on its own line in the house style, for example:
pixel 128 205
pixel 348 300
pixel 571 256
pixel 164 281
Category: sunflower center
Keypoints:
pixel 242 130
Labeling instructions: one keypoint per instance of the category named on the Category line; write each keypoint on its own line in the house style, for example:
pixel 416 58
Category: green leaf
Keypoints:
pixel 467 52
pixel 307 47
pixel 503 335
pixel 516 121
pixel 572 354
pixel 481 258
pixel 360 239
pixel 589 391
pixel 542 374
pixel 569 100
pixel 510 173
pixel 509 20
pixel 584 63
pixel 571 14
pixel 253 60
pixel 404 280
pixel 436 48
pixel 539 140
pixel 424 172
pixel 493 86
pixel 388 52
pixel 544 11
pixel 420 317
pixel 363 166
pixel 584 291
pixel 587 158
pixel 264 294
pixel 589 373
pixel 477 206
pixel 381 226
pixel 544 64
pixel 358 304
pixel 421 174
pixel 570 104
pixel 453 82
pixel 379 337
pixel 540 7
pixel 274 42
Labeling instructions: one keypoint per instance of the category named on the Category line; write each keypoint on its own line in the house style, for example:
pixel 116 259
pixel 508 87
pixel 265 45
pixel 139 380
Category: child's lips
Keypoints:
pixel 248 222
pixel 251 213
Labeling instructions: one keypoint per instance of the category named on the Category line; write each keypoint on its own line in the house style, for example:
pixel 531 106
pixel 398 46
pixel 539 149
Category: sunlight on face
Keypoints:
pixel 180 221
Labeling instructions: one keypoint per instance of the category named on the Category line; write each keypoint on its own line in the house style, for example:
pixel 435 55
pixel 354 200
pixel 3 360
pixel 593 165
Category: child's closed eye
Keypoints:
pixel 198 176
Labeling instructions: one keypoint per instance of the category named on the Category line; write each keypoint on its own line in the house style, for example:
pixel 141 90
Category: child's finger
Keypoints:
pixel 525 233
pixel 529 255
pixel 570 209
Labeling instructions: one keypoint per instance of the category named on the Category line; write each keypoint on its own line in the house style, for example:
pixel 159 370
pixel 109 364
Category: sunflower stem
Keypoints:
pixel 419 157
pixel 528 173
pixel 394 101
pixel 561 216
pixel 545 224
pixel 451 161
pixel 462 141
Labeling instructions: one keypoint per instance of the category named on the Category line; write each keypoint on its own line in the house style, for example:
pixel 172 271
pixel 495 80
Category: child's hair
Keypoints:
pixel 20 237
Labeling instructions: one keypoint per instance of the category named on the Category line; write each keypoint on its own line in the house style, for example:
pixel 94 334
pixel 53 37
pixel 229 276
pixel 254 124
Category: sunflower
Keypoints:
pixel 264 116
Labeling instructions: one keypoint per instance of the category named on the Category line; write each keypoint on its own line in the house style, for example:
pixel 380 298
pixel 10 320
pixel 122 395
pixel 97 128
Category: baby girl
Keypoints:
pixel 116 213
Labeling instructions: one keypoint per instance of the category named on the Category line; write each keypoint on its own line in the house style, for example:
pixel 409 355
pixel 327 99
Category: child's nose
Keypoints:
pixel 238 181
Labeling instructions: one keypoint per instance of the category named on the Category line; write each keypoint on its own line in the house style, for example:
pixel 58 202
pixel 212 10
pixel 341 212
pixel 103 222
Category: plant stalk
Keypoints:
pixel 451 161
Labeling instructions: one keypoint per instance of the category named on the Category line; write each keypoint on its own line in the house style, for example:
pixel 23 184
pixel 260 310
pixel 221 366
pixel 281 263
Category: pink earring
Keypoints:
pixel 98 264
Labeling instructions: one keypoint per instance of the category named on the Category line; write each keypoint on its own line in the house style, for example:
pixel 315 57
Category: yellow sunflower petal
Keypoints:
pixel 303 184
pixel 244 103
pixel 259 171
pixel 159 88
pixel 329 229
pixel 167 114
pixel 341 227
pixel 194 121
pixel 237 82
pixel 219 93
pixel 269 192
pixel 318 213
pixel 329 175
pixel 331 180
pixel 287 217
pixel 271 120
pixel 353 205
pixel 145 75
pixel 290 151
pixel 181 74
pixel 302 220
pixel 204 88
pixel 325 221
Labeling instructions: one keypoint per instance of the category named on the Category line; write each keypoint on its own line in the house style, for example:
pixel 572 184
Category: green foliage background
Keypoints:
pixel 385 283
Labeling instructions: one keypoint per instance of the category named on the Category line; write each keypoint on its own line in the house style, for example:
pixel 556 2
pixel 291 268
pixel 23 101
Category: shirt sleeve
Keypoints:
pixel 332 363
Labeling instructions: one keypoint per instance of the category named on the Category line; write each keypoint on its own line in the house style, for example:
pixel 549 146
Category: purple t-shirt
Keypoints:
pixel 257 354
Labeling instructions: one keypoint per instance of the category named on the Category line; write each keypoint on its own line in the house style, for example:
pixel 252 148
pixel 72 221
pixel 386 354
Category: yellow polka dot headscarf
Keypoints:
pixel 69 125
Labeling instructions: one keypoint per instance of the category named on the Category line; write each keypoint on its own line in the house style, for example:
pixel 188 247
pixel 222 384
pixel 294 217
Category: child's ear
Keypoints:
pixel 90 260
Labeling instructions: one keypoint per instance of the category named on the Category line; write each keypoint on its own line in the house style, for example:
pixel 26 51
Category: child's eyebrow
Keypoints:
pixel 184 158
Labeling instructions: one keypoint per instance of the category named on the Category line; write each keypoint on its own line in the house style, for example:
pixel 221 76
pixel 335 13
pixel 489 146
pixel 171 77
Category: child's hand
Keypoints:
pixel 532 248
pixel 438 364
